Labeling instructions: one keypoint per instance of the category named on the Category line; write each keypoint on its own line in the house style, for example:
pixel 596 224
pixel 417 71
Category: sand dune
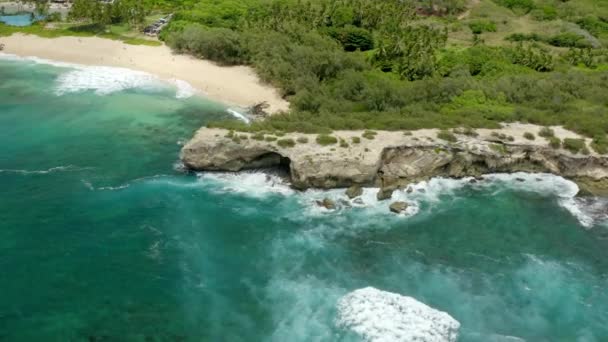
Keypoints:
pixel 236 85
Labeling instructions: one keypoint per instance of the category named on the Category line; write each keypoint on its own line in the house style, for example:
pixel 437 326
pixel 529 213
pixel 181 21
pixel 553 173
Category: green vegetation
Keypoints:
pixel 574 145
pixel 447 136
pixel 356 140
pixel 302 140
pixel 389 65
pixel 600 144
pixel 286 143
pixel 324 140
pixel 348 65
pixel 546 132
pixel 270 138
pixel 480 26
pixel 554 142
pixel 370 135
pixel 529 136
pixel 498 148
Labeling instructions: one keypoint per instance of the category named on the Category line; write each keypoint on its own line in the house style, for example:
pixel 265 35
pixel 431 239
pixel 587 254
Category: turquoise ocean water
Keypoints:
pixel 104 238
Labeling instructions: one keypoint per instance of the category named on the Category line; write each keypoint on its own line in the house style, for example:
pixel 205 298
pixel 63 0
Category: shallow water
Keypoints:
pixel 102 235
pixel 18 19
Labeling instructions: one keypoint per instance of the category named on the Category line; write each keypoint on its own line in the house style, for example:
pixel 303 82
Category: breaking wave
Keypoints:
pixel 255 184
pixel 379 316
pixel 238 115
pixel 588 211
pixel 104 80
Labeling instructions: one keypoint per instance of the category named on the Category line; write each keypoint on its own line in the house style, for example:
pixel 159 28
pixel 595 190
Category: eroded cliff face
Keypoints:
pixel 392 160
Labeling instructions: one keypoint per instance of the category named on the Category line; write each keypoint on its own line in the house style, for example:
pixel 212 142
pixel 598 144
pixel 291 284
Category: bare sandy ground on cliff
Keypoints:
pixel 238 85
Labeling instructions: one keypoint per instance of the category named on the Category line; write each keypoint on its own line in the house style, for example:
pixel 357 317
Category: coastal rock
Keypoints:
pixel 384 194
pixel 327 204
pixel 390 161
pixel 398 207
pixel 354 191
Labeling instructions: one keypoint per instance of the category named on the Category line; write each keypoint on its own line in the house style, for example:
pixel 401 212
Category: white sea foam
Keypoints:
pixel 380 316
pixel 104 80
pixel 43 172
pixel 255 184
pixel 184 89
pixel 589 212
pixel 238 115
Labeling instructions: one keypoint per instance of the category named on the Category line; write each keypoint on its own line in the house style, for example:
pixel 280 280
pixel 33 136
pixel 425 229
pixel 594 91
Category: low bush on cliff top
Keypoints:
pixel 554 142
pixel 324 140
pixel 529 136
pixel 574 145
pixel 286 143
pixel 546 132
pixel 447 136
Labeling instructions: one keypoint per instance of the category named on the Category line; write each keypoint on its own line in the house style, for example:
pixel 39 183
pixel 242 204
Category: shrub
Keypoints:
pixel 369 135
pixel 522 37
pixel 545 13
pixel 356 140
pixel 499 148
pixel 574 145
pixel 324 140
pixel 447 136
pixel 600 144
pixel 343 143
pixel 407 133
pixel 353 38
pixel 270 138
pixel 510 138
pixel 217 44
pixel 568 39
pixel 554 142
pixel 480 26
pixel 286 143
pixel 546 132
pixel 258 136
pixel 529 136
pixel 526 5
pixel 302 140
pixel 468 131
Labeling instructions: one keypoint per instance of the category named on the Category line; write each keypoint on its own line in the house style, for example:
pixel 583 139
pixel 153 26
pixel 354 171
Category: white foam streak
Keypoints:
pixel 238 115
pixel 380 316
pixel 184 89
pixel 43 172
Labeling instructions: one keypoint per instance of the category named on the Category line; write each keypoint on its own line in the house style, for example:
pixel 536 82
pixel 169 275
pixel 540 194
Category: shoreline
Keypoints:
pixel 235 85
pixel 394 160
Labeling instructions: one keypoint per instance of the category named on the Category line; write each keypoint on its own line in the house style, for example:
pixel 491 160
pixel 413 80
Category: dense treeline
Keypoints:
pixel 365 64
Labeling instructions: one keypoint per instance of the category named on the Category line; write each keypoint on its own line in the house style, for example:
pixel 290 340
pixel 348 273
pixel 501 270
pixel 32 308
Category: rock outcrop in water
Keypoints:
pixel 392 160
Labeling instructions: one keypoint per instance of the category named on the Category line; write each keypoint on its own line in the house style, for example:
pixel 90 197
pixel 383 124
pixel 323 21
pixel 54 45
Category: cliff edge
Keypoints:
pixel 392 160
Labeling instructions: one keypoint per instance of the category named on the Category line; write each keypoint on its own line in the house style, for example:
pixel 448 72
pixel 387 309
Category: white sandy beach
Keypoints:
pixel 238 85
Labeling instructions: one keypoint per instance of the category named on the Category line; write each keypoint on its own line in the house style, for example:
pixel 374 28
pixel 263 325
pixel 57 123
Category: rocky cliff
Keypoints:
pixel 392 160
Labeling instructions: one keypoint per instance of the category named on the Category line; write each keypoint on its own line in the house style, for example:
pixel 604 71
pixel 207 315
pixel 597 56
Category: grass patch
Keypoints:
pixel 302 140
pixel 447 136
pixel 546 132
pixel 325 140
pixel 529 136
pixel 286 143
pixel 371 135
pixel 554 142
pixel 574 145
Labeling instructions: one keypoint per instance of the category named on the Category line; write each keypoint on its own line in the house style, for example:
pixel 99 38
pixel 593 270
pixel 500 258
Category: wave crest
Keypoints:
pixel 380 316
